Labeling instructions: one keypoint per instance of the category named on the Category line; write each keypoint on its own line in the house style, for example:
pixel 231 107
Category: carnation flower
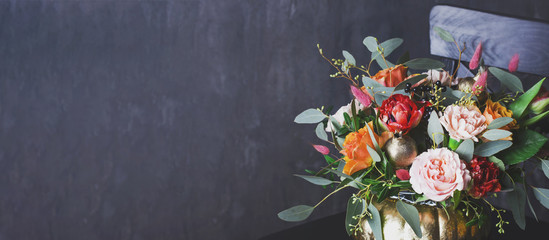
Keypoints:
pixel 463 122
pixel 495 110
pixel 437 173
pixel 540 103
pixel 392 76
pixel 400 114
pixel 339 115
pixel 485 177
pixel 356 153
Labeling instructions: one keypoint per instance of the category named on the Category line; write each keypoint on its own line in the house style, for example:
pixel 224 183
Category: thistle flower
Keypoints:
pixel 513 64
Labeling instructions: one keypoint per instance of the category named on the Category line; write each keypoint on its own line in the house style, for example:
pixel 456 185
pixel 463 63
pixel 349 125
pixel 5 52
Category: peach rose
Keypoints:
pixel 392 76
pixel 356 154
pixel 437 173
pixel 463 122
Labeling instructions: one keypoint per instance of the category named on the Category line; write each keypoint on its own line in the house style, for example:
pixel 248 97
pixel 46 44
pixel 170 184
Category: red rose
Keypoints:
pixel 485 177
pixel 400 114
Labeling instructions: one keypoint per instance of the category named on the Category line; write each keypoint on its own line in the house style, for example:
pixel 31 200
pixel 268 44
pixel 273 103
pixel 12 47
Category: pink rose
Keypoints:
pixel 437 173
pixel 463 122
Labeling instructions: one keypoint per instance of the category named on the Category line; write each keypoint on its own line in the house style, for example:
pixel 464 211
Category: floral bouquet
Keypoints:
pixel 430 138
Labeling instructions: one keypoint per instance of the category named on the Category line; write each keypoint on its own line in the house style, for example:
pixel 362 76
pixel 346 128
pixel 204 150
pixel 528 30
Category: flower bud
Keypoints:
pixel 541 102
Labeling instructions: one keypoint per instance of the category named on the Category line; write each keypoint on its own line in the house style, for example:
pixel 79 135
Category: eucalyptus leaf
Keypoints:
pixel 355 208
pixel 424 64
pixel 375 156
pixel 466 149
pixel 490 148
pixel 296 214
pixel 507 79
pixel 413 80
pixel 339 171
pixel 315 180
pixel 349 57
pixel 390 45
pixel 411 215
pixel 498 162
pixel 372 137
pixel 517 202
pixel 370 43
pixel 375 222
pixel 500 122
pixel 434 129
pixel 521 104
pixel 536 118
pixel 320 132
pixel 531 207
pixel 368 82
pixel 526 143
pixel 443 34
pixel 496 134
pixel 404 58
pixel 542 195
pixel 383 63
pixel 545 167
pixel 310 115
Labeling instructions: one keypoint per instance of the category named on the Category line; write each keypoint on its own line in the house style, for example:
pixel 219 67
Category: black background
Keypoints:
pixel 174 119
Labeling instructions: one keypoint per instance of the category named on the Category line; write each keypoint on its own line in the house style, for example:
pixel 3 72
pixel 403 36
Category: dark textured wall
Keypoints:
pixel 174 119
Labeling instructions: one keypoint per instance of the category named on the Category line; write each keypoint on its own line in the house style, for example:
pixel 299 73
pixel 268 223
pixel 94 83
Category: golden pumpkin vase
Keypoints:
pixel 435 224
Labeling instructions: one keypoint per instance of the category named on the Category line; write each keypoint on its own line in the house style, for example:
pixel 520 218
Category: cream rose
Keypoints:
pixel 463 122
pixel 437 173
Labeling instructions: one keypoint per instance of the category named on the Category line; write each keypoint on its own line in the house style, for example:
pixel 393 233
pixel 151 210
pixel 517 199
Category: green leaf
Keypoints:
pixel 329 159
pixel 349 57
pixel 500 122
pixel 521 104
pixel 339 172
pixel 368 82
pixel 411 215
pixel 404 58
pixel 466 150
pixel 373 154
pixel 536 119
pixel 375 222
pixel 434 129
pixel 517 202
pixel 320 132
pixel 372 137
pixel 545 167
pixel 526 144
pixel 349 122
pixel 453 144
pixel 413 80
pixel 296 214
pixel 370 43
pixel 507 79
pixel 490 148
pixel 456 199
pixel 315 180
pixel 424 63
pixel 421 198
pixel 443 34
pixel 496 134
pixel 542 195
pixel 355 208
pixel 310 115
pixel 498 162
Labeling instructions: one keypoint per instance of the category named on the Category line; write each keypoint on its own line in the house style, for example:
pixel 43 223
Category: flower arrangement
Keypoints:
pixel 437 137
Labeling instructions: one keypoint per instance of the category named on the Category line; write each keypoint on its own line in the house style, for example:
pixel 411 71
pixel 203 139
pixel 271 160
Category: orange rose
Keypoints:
pixel 495 110
pixel 356 154
pixel 392 76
